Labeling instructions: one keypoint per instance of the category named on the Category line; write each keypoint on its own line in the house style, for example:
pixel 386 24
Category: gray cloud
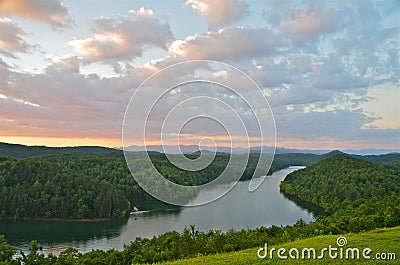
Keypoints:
pixel 11 38
pixel 68 64
pixel 229 44
pixel 307 25
pixel 60 105
pixel 332 128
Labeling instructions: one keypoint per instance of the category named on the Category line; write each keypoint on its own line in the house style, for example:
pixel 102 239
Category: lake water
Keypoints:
pixel 238 209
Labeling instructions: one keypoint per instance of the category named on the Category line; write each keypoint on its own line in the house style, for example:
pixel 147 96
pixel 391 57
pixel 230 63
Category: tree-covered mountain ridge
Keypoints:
pixel 341 180
pixel 25 151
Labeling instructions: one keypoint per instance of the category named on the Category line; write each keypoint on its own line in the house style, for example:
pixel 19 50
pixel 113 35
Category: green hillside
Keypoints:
pixel 383 241
pixel 340 181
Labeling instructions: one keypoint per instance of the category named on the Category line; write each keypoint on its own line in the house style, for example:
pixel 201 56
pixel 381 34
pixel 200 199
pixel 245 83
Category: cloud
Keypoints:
pixel 122 38
pixel 276 10
pixel 307 25
pixel 332 130
pixel 11 38
pixel 227 44
pixel 220 13
pixel 332 75
pixel 338 57
pixel 142 12
pixel 51 12
pixel 55 104
pixel 298 79
pixel 68 64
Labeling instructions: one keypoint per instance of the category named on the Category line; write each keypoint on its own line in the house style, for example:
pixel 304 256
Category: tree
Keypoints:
pixel 6 251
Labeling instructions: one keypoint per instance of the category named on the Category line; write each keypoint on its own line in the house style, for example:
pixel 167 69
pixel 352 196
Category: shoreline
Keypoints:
pixel 63 219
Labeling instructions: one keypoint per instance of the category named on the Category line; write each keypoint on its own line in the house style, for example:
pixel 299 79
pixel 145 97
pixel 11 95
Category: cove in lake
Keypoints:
pixel 238 209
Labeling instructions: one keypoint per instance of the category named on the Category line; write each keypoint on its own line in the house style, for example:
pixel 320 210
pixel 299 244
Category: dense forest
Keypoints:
pixel 38 188
pixel 392 159
pixel 357 195
pixel 341 181
pixel 95 182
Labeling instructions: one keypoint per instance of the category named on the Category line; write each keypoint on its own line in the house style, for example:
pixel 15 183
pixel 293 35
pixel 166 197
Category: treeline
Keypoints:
pixel 23 151
pixel 220 162
pixel 169 246
pixel 392 159
pixel 38 188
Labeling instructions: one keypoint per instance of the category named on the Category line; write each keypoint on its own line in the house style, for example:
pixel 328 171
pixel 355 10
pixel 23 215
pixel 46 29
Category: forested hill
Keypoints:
pixel 23 151
pixel 341 180
pixel 392 159
pixel 40 188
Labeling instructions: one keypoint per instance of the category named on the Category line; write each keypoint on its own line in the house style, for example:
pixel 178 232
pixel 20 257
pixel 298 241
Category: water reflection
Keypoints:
pixel 311 208
pixel 57 235
pixel 45 231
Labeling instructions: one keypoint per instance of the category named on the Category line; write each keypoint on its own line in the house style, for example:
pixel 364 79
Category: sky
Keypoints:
pixel 330 70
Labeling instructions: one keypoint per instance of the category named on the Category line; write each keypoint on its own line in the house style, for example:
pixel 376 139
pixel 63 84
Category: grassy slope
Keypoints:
pixel 386 240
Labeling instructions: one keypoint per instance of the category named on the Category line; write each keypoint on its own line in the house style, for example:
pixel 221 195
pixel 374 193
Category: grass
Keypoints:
pixel 385 240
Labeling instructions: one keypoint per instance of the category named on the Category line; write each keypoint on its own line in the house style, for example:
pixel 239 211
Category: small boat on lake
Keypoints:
pixel 136 211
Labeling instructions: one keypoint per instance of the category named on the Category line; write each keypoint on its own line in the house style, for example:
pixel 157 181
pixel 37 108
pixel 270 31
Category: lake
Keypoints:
pixel 239 209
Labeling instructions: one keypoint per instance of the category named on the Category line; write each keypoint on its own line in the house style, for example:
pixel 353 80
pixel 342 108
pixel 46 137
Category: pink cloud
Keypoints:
pixel 122 38
pixel 68 64
pixel 221 12
pixel 11 38
pixel 306 25
pixel 52 12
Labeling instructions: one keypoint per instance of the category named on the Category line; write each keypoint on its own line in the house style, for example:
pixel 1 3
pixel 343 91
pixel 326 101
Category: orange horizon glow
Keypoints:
pixel 323 144
pixel 61 141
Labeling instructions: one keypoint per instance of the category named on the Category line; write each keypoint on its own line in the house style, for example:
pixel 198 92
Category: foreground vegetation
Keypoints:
pixel 377 240
pixel 222 247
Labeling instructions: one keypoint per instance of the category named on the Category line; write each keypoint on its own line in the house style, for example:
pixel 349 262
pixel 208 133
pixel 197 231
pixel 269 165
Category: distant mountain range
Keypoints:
pixel 188 149
pixel 22 151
